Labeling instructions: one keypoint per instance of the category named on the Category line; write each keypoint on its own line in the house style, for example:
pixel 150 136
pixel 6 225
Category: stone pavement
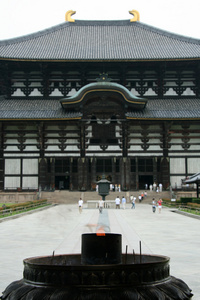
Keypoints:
pixel 59 229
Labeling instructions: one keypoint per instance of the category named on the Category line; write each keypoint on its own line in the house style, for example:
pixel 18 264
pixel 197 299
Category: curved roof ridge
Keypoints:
pixel 168 33
pixel 33 35
pixel 99 23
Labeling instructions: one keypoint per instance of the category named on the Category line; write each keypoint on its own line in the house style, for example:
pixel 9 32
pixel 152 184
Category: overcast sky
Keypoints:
pixel 21 17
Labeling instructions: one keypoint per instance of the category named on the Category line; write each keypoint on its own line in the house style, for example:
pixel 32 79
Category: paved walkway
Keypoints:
pixel 59 229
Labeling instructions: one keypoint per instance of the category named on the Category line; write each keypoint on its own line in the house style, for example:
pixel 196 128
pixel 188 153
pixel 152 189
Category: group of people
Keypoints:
pixel 118 201
pixel 122 201
pixel 155 204
pixel 115 187
pixel 154 187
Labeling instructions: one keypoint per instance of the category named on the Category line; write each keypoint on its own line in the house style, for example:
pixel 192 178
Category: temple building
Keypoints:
pixel 86 98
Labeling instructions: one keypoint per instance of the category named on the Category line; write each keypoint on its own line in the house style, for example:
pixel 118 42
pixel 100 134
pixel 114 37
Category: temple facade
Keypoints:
pixel 86 98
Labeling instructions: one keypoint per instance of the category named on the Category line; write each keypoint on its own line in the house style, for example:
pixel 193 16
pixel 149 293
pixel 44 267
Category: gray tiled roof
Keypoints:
pixel 34 109
pixel 51 109
pixel 100 40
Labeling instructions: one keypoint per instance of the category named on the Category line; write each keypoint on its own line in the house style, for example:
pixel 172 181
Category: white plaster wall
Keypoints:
pixel 194 147
pixel 62 154
pixel 31 141
pixel 170 92
pixel 188 92
pixel 30 182
pixel 176 148
pixel 21 154
pixel 56 92
pixel 176 181
pixel 35 92
pixel 193 165
pixel 177 165
pixel 11 141
pixel 150 92
pixel 12 166
pixel 18 93
pixel 72 148
pixel 135 148
pixel 30 166
pixel 11 148
pixel 154 148
pixel 53 148
pixel 11 182
pixel 31 148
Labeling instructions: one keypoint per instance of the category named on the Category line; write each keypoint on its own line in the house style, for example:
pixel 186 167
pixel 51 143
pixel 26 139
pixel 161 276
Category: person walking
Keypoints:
pixel 153 205
pixel 101 205
pixel 117 202
pixel 80 205
pixel 124 202
pixel 133 202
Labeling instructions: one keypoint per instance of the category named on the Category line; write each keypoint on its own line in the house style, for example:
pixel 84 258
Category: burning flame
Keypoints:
pixel 100 231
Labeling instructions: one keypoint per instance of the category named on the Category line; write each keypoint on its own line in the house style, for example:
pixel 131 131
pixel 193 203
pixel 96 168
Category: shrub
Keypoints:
pixel 185 200
pixel 193 205
pixel 196 200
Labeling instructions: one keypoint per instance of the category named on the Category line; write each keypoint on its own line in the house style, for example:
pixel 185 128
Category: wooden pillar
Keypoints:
pixel 93 173
pixel 165 172
pixel 155 177
pixel 82 140
pixel 137 174
pixel 42 172
pixel 1 158
pixel 114 170
pixel 82 174
pixel 123 168
pixel 52 167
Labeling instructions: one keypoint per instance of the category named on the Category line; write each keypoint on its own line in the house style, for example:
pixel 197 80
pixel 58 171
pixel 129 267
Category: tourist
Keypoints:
pixel 153 205
pixel 133 202
pixel 101 205
pixel 140 198
pixel 160 187
pixel 124 202
pixel 80 205
pixel 159 205
pixel 117 202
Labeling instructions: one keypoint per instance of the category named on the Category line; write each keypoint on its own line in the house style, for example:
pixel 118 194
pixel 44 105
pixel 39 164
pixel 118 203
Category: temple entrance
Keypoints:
pixel 145 180
pixel 61 182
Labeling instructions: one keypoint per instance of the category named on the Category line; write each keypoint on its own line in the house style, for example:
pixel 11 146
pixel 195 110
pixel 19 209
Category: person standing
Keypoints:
pixel 101 205
pixel 117 202
pixel 140 198
pixel 124 202
pixel 159 205
pixel 80 205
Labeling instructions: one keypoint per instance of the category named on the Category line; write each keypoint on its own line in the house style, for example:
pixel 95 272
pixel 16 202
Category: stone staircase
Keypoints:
pixel 72 197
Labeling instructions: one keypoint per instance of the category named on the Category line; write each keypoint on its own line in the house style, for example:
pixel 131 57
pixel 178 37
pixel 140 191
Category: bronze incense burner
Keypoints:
pixel 100 272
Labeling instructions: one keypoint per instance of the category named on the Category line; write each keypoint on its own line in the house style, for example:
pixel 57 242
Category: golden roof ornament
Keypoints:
pixel 68 15
pixel 136 15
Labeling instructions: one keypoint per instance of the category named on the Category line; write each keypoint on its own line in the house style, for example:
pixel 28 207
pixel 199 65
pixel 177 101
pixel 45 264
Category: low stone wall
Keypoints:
pixel 183 194
pixel 95 204
pixel 17 197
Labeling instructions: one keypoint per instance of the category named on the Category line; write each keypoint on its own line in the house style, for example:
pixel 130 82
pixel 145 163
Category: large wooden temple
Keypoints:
pixel 87 98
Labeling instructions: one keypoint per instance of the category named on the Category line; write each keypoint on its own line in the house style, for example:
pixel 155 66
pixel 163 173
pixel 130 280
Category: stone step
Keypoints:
pixel 69 197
